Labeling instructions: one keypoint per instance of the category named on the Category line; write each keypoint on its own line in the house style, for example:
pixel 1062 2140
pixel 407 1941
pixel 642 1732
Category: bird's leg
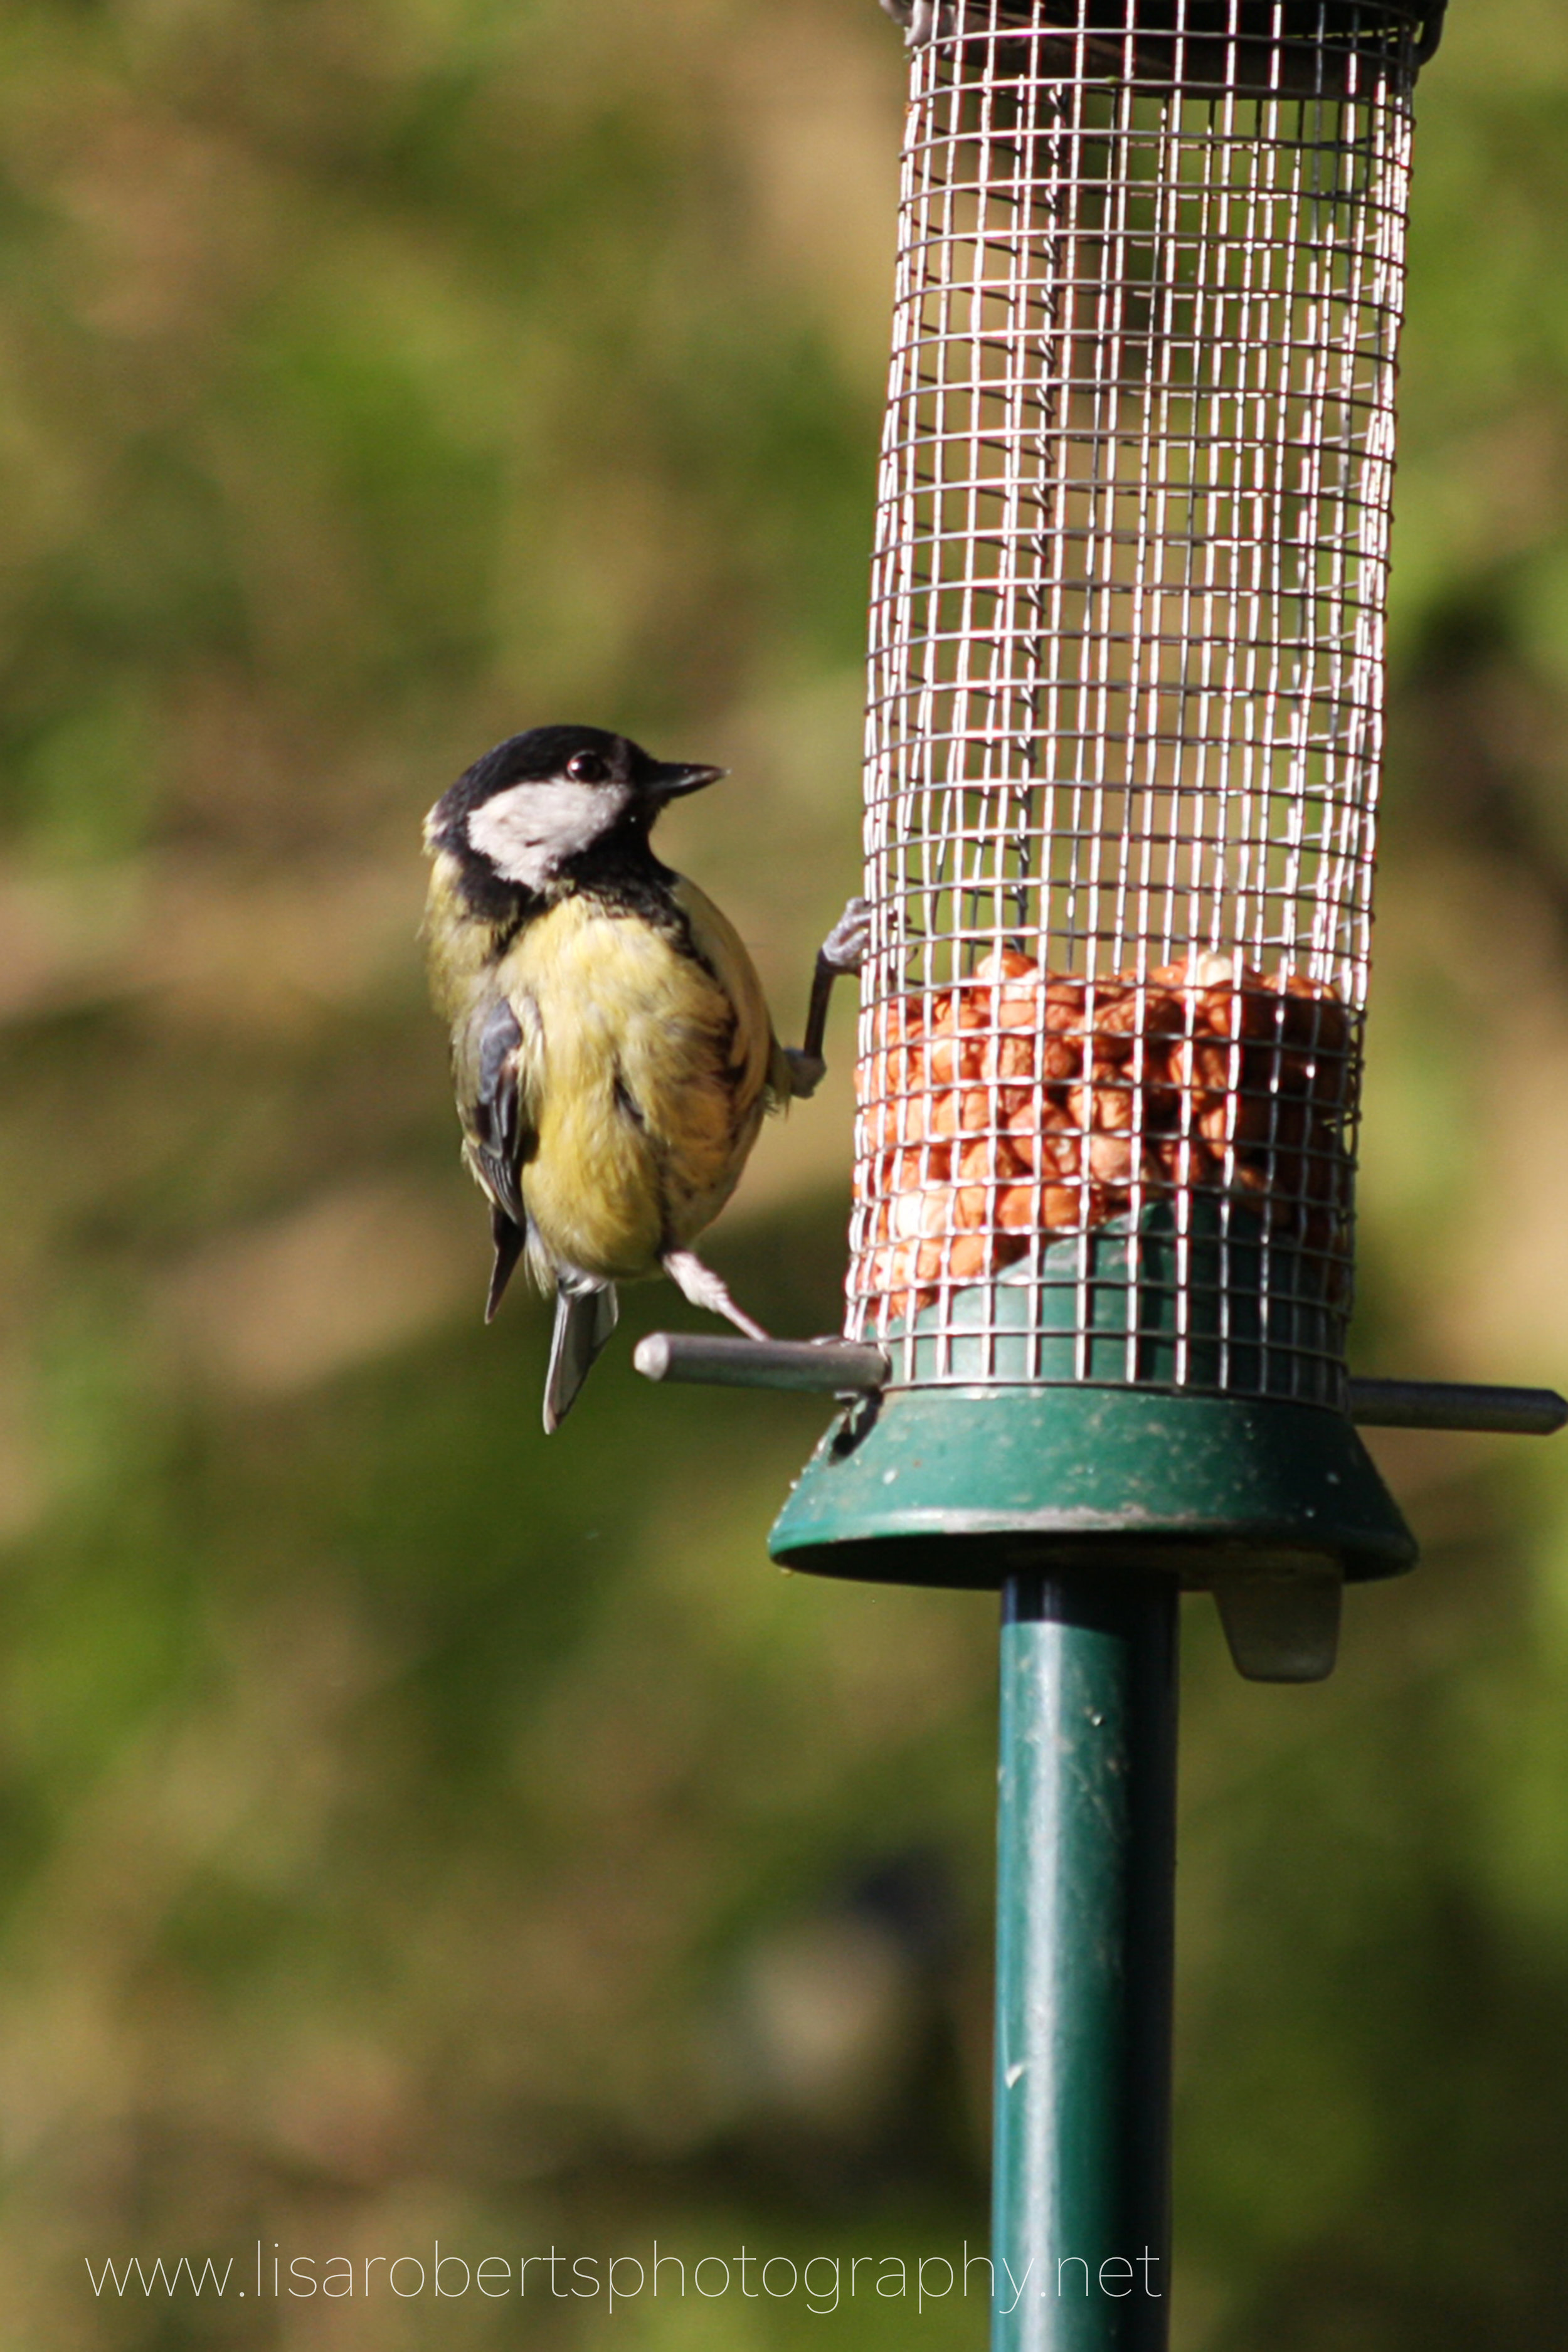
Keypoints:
pixel 704 1288
pixel 844 950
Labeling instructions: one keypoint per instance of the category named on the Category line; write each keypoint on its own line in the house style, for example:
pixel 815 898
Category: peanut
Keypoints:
pixel 1022 1101
pixel 1007 963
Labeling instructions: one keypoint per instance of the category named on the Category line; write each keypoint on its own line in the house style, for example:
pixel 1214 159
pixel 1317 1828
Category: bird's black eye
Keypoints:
pixel 587 768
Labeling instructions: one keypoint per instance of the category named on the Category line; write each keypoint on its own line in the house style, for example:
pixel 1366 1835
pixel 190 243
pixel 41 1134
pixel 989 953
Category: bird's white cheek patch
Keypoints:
pixel 529 832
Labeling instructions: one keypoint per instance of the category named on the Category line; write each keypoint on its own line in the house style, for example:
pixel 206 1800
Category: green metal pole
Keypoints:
pixel 1080 2196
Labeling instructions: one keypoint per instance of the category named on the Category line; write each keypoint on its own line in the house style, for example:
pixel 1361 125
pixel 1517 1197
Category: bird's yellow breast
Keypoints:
pixel 645 1072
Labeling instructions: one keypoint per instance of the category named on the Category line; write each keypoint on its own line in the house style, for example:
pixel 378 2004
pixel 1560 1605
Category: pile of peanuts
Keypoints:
pixel 1023 1103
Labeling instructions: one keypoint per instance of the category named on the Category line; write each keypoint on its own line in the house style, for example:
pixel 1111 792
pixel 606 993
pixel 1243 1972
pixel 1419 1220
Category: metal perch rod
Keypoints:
pixel 849 1367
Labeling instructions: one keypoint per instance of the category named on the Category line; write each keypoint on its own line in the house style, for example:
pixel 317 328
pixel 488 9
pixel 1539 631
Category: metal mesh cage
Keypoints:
pixel 1126 683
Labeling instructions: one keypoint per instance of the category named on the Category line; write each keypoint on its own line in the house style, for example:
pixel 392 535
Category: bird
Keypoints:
pixel 613 1056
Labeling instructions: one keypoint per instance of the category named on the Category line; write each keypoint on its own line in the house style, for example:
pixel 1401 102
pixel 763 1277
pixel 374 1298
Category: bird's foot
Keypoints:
pixel 704 1288
pixel 922 20
pixel 848 943
pixel 806 1072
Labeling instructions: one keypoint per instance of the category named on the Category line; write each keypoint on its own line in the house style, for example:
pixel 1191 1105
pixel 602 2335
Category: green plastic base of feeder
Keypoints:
pixel 1073 1419
pixel 970 1485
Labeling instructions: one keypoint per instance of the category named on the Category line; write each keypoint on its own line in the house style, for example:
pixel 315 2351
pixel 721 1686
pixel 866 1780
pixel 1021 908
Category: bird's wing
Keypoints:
pixel 758 1063
pixel 584 1321
pixel 497 1075
pixel 500 1135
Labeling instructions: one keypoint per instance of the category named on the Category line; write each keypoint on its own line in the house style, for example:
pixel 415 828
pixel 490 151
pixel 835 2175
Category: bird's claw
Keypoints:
pixel 848 943
pixel 922 20
pixel 806 1072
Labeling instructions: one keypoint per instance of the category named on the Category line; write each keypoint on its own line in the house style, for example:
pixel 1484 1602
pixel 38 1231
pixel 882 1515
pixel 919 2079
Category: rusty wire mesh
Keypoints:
pixel 1125 690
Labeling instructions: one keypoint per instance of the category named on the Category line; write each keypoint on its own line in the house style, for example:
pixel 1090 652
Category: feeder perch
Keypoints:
pixel 1125 724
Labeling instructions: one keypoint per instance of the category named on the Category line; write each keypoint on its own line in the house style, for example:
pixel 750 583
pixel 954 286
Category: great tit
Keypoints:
pixel 612 1053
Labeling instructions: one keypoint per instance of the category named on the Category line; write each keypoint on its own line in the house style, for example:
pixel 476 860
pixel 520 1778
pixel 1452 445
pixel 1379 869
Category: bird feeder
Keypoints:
pixel 1125 725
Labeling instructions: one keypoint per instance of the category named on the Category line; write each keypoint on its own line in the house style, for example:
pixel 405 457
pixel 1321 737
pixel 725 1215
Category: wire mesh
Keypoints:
pixel 1125 690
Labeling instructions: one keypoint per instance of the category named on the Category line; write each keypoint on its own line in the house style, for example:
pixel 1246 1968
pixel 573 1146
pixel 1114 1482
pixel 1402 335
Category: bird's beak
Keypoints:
pixel 669 779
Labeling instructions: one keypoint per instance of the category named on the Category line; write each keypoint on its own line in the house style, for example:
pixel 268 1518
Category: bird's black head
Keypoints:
pixel 543 807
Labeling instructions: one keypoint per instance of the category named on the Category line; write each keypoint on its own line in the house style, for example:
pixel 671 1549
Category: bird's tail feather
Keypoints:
pixel 584 1321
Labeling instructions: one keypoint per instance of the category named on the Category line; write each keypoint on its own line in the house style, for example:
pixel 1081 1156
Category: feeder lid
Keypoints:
pixel 1297 48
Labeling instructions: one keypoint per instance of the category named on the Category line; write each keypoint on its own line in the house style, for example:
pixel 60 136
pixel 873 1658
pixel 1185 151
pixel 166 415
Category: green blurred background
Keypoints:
pixel 414 1830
